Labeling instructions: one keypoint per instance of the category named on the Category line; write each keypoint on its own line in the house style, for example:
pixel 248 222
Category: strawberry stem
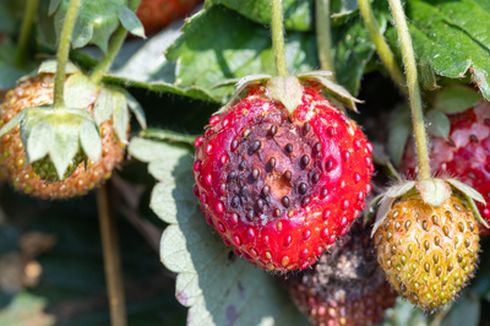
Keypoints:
pixel 278 38
pixel 64 51
pixel 415 99
pixel 115 45
pixel 324 35
pixel 382 48
pixel 25 32
pixel 112 259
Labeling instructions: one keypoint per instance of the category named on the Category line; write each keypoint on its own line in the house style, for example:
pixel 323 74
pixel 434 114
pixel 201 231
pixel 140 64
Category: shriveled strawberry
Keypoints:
pixel 280 186
pixel 465 154
pixel 35 92
pixel 156 14
pixel 346 286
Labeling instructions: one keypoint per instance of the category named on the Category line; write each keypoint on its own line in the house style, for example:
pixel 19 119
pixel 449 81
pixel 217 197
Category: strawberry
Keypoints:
pixel 427 239
pixel 156 14
pixel 280 182
pixel 465 153
pixel 89 151
pixel 346 286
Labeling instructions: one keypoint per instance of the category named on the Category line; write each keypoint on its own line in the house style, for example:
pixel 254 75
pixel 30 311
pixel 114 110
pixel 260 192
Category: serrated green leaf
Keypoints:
pixel 298 15
pixel 438 124
pixel 455 99
pixel 120 116
pixel 452 37
pixel 204 60
pixel 131 22
pixel 40 135
pixel 80 91
pixel 216 289
pixel 96 21
pixel 90 140
pixel 136 109
pixel 104 106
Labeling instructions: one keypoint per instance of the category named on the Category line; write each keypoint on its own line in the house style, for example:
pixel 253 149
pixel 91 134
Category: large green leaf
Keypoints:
pixel 205 56
pixel 452 38
pixel 218 289
pixel 297 14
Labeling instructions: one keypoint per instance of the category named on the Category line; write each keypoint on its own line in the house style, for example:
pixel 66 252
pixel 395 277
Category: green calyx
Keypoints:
pixel 433 191
pixel 56 138
pixel 288 90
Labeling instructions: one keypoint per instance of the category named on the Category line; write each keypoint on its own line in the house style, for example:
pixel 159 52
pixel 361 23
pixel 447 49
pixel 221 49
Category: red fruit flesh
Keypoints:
pixel 281 187
pixel 464 155
pixel 156 14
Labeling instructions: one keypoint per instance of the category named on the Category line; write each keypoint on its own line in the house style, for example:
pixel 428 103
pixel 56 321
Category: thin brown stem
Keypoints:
pixel 112 259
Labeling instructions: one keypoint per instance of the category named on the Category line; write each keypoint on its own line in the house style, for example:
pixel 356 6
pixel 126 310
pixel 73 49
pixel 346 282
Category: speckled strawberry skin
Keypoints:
pixel 255 154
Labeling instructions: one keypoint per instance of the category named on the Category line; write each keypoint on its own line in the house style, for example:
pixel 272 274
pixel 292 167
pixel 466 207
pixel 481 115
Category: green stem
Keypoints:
pixel 25 32
pixel 413 88
pixel 278 38
pixel 64 51
pixel 115 45
pixel 324 35
pixel 382 47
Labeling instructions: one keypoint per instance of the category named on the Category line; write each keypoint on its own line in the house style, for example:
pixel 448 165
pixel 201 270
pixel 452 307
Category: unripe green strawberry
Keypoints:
pixel 34 92
pixel 428 252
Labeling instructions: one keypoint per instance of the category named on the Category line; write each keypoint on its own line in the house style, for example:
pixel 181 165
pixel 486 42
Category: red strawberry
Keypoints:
pixel 346 286
pixel 465 154
pixel 156 14
pixel 279 186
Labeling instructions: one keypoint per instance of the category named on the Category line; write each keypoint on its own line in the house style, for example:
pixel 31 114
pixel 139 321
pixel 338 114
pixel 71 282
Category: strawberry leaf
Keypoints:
pixel 96 21
pixel 216 289
pixel 455 99
pixel 298 15
pixel 204 61
pixel 452 38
